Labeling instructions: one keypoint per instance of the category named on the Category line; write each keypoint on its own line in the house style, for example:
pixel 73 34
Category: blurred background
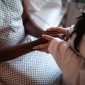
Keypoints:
pixel 73 11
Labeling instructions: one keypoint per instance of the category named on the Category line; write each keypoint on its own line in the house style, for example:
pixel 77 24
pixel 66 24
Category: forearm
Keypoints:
pixel 34 30
pixel 12 52
pixel 30 26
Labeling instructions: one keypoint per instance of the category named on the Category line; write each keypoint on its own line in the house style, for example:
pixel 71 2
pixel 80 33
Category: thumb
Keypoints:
pixel 47 37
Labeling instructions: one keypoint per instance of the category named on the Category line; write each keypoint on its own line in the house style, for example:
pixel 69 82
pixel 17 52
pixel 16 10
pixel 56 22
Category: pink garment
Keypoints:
pixel 70 62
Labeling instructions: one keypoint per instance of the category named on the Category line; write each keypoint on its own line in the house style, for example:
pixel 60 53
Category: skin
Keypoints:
pixel 44 47
pixel 61 31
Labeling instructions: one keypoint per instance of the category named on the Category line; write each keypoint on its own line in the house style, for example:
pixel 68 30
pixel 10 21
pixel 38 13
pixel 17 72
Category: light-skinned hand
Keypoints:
pixel 44 47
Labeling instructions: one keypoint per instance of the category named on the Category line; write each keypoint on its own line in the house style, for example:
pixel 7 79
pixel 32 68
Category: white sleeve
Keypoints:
pixel 68 61
pixel 70 29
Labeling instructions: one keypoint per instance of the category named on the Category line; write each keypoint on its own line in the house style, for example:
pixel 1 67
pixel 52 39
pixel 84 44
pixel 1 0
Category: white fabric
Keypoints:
pixel 35 68
pixel 70 29
pixel 11 25
pixel 69 61
pixel 35 5
pixel 50 15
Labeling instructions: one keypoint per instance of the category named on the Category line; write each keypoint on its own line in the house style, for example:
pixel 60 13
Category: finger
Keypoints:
pixel 60 35
pixel 53 35
pixel 52 29
pixel 50 32
pixel 36 47
pixel 39 47
pixel 47 37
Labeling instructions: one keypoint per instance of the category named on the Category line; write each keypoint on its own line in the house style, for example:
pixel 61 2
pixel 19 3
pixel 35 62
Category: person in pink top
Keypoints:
pixel 69 54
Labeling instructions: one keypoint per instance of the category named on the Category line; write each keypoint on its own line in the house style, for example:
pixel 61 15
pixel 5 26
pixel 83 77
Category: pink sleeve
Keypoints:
pixel 68 61
pixel 54 50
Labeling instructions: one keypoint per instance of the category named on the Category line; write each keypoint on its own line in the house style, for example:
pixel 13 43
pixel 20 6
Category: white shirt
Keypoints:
pixel 70 62
pixel 11 25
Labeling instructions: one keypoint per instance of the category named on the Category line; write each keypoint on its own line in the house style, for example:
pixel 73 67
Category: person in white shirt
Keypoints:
pixel 15 25
pixel 68 54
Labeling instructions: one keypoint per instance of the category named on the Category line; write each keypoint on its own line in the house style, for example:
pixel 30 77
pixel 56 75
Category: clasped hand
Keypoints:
pixel 49 35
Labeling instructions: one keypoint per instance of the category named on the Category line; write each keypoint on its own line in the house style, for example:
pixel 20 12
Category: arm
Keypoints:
pixel 30 26
pixel 69 62
pixel 12 52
